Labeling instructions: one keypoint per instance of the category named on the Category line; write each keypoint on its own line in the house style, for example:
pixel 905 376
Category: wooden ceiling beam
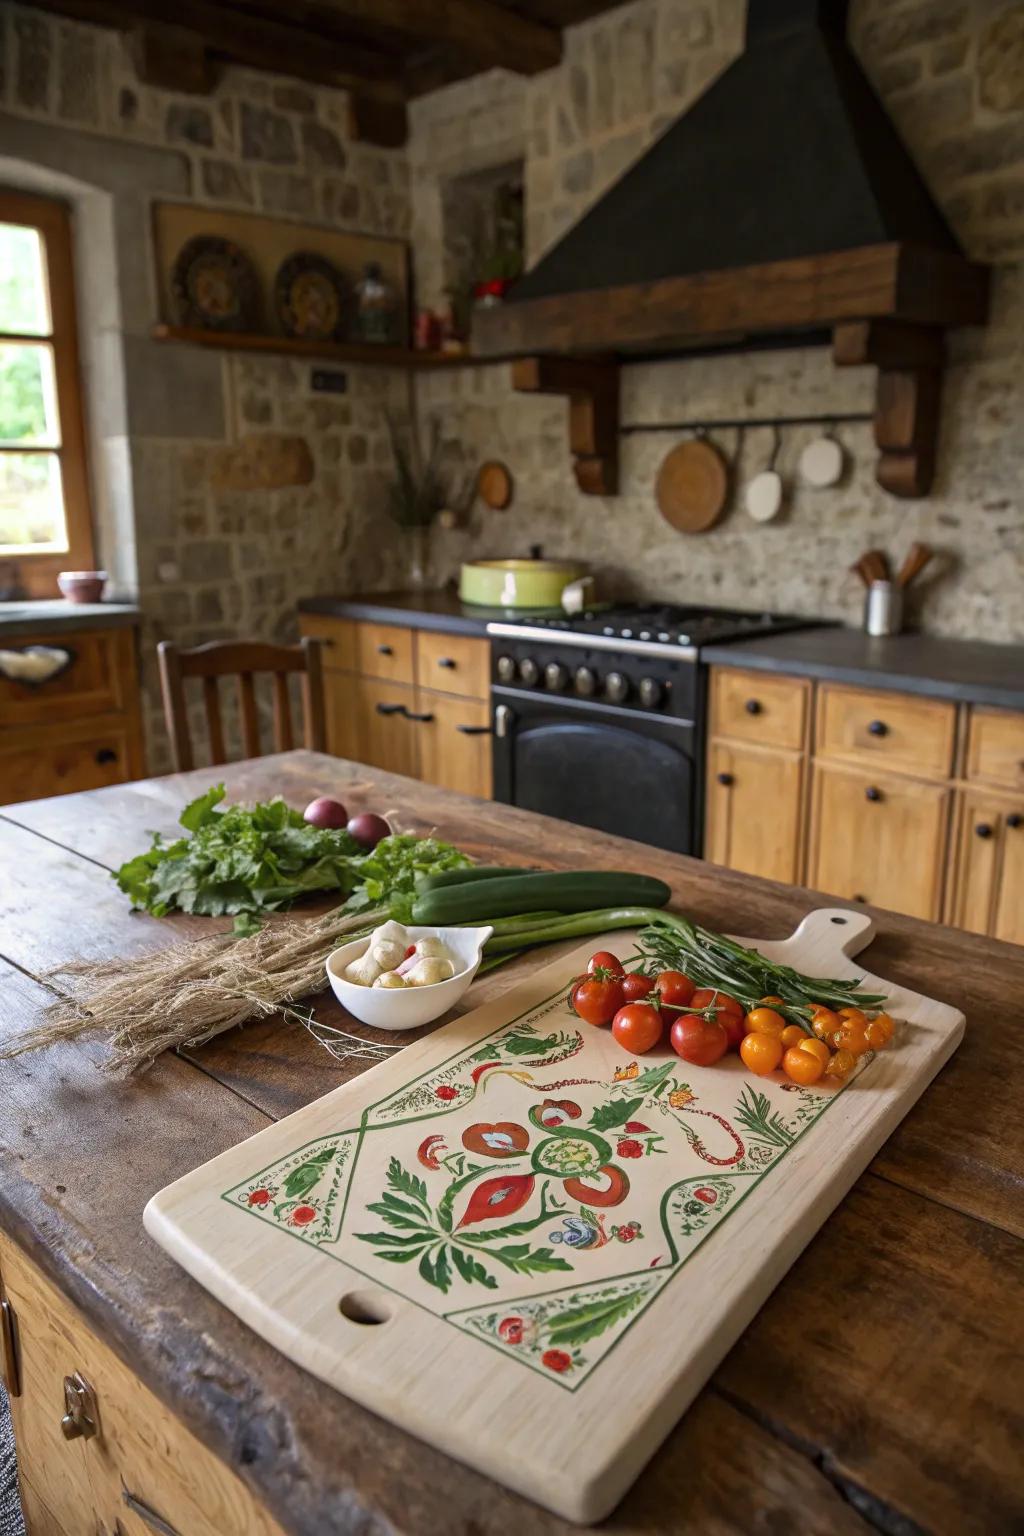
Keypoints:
pixel 486 33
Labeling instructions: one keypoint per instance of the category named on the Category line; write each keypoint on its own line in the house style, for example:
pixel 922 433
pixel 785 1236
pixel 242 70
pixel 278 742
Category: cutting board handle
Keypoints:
pixel 834 930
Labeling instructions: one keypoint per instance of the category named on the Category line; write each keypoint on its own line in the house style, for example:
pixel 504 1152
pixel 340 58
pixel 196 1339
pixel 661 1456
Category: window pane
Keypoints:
pixel 31 504
pixel 28 396
pixel 24 304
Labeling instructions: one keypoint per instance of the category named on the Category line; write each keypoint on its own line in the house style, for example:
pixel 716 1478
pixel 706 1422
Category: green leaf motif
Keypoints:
pixel 607 1116
pixel 579 1324
pixel 523 1261
pixel 471 1269
pixel 304 1179
pixel 407 1183
pixel 397 1214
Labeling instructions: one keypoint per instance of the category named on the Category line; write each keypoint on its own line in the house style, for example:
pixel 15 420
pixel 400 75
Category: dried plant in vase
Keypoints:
pixel 422 490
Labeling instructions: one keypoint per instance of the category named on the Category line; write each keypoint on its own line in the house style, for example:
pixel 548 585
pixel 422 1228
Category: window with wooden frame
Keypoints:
pixel 45 524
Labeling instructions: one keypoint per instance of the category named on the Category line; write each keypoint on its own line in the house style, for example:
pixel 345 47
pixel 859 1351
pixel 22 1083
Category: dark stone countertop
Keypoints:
pixel 970 671
pixel 22 620
pixel 439 610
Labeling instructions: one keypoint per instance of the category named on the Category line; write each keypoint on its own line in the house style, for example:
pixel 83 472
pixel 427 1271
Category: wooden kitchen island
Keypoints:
pixel 877 1390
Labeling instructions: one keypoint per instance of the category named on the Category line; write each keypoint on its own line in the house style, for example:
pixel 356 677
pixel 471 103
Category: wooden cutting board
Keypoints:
pixel 692 486
pixel 529 1249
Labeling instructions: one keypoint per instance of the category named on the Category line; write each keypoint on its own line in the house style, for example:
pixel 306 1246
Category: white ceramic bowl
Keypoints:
pixel 409 1007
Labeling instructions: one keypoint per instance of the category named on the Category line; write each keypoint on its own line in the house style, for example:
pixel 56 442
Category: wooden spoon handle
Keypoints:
pixel 918 556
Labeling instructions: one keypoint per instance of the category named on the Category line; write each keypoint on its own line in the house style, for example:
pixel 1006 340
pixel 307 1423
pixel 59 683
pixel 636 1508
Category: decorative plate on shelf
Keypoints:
pixel 214 285
pixel 311 297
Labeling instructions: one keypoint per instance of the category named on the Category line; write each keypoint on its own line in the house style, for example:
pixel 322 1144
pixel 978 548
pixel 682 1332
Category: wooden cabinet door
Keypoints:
pixel 384 735
pixel 753 815
pixel 879 838
pixel 454 743
pixel 341 709
pixel 988 892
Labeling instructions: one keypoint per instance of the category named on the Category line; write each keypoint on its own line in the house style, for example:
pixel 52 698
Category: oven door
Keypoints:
pixel 612 769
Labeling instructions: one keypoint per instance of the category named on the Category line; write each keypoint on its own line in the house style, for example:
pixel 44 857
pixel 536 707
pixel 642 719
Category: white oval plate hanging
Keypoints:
pixel 763 496
pixel 821 463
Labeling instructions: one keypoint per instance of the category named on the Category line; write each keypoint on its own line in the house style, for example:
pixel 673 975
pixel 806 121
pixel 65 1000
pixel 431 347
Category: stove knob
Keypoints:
pixel 506 669
pixel 555 676
pixel 585 682
pixel 529 672
pixel 616 687
pixel 651 692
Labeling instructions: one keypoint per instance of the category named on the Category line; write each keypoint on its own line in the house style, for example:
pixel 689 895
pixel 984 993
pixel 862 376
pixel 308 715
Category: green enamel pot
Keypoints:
pixel 517 583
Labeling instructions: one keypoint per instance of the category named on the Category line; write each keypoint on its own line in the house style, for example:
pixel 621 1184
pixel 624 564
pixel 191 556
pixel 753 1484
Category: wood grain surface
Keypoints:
pixel 886 1406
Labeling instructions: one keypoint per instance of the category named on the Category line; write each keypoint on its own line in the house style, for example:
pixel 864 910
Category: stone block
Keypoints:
pixel 899 74
pixel 340 201
pixel 950 54
pixel 77 93
pixel 263 462
pixel 33 39
pixel 205 560
pixel 1001 62
pixel 973 154
pixel 283 192
pixel 578 172
pixel 189 124
pixel 323 148
pixel 227 183
pixel 291 97
pixel 266 135
pixel 173 392
pixel 912 26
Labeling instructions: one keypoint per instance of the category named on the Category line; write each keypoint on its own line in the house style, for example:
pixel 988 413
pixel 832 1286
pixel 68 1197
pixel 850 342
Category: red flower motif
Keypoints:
pixel 446 1092
pixel 625 1234
pixel 259 1197
pixel 709 1196
pixel 302 1215
pixel 556 1360
pixel 636 1125
pixel 511 1330
pixel 630 1148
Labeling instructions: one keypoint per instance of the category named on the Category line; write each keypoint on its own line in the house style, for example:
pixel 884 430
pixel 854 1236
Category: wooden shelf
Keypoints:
pixel 335 352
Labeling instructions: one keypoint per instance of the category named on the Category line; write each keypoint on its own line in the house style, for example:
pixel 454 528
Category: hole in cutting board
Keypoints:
pixel 838 919
pixel 365 1307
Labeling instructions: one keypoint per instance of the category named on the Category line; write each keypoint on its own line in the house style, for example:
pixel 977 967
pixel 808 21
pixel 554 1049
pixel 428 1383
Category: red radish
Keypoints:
pixel 325 812
pixel 368 829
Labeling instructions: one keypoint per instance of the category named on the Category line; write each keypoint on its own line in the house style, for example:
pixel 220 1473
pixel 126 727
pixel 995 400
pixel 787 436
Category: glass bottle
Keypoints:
pixel 376 308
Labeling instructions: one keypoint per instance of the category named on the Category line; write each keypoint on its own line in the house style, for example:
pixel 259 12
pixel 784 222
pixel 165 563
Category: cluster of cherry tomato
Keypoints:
pixel 703 1023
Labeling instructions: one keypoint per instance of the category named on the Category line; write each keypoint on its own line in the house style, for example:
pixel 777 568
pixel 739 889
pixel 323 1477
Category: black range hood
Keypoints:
pixel 782 201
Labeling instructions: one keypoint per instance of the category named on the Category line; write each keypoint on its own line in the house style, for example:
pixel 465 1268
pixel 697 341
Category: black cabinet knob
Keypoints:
pixel 983 829
pixel 1013 820
pixel 725 778
pixel 446 662
pixel 106 755
pixel 871 793
pixel 858 897
pixel 753 706
pixel 878 728
pixel 385 650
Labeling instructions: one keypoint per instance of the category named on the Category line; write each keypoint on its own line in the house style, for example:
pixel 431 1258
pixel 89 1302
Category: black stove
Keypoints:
pixel 598 717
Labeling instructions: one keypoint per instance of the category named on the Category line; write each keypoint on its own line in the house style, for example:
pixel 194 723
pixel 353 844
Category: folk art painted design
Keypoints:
pixel 538 1189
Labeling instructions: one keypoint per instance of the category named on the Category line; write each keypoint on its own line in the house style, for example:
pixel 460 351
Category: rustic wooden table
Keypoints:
pixel 879 1388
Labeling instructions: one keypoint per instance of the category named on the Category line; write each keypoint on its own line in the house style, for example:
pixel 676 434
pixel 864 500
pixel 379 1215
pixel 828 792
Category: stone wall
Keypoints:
pixel 952 75
pixel 242 489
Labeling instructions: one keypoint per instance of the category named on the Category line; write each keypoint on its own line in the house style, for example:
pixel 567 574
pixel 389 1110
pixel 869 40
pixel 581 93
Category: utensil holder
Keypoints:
pixel 883 608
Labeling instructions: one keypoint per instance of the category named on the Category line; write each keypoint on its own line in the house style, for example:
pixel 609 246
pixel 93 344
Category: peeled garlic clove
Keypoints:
pixel 389 980
pixel 428 971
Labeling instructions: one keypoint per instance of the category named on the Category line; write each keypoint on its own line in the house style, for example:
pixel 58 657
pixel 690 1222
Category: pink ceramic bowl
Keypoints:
pixel 82 586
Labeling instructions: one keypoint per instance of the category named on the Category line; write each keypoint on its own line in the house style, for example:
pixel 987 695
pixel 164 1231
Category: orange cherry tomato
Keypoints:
pixel 851 1037
pixel 637 1027
pixel 801 1066
pixel 816 1048
pixel 793 1034
pixel 761 1053
pixel 841 1064
pixel 825 1023
pixel 766 1022
pixel 885 1024
pixel 877 1035
pixel 855 1015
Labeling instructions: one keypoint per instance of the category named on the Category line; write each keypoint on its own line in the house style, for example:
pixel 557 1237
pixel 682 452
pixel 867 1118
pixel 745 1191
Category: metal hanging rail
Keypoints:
pixel 833 419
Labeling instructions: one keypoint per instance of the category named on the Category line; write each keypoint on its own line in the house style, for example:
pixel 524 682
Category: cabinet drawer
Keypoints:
pixel 754 804
pixel 897 730
pixel 385 651
pixel 453 664
pixel 755 707
pixel 338 637
pixel 99 680
pixel 454 743
pixel 995 748
pixel 37 763
pixel 384 734
pixel 879 838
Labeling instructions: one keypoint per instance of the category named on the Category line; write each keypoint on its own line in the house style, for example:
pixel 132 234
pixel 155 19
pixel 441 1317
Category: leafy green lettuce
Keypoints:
pixel 250 860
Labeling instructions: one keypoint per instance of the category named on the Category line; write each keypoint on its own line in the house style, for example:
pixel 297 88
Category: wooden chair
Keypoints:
pixel 242 660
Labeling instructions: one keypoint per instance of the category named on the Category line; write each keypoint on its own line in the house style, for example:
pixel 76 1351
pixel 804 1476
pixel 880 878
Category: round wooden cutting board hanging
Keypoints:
pixel 692 486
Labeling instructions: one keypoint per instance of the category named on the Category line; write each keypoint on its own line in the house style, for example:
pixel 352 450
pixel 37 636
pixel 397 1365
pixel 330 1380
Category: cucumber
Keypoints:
pixel 579 891
pixel 468 872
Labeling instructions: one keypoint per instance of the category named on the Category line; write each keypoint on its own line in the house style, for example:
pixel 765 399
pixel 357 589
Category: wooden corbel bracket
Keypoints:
pixel 909 359
pixel 592 385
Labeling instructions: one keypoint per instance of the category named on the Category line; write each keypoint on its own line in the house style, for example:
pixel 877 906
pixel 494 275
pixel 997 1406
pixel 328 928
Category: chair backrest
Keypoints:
pixel 241 659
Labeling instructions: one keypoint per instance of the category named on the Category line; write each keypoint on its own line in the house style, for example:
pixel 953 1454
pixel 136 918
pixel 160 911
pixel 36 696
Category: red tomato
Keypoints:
pixel 636 985
pixel 674 989
pixel 596 1000
pixel 707 997
pixel 604 960
pixel 735 1027
pixel 637 1027
pixel 699 1041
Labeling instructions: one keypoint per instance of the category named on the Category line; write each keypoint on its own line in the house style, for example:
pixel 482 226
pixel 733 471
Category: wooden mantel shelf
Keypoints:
pixel 364 353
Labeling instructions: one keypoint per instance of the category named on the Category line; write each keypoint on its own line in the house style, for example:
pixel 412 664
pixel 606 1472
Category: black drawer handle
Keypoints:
pixel 106 755
pixel 447 662
pixel 476 730
pixel 871 793
pixel 1013 820
pixel 753 706
pixel 878 728
pixel 983 829
pixel 390 709
pixel 724 778
pixel 420 719
pixel 385 650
